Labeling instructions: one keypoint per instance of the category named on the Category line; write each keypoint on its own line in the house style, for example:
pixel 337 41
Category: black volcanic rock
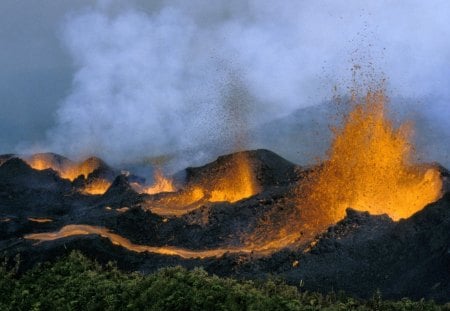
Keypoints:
pixel 121 193
pixel 120 186
pixel 359 254
pixel 270 169
pixel 364 253
pixel 6 157
pixel 101 171
pixel 445 174
pixel 54 158
pixel 18 173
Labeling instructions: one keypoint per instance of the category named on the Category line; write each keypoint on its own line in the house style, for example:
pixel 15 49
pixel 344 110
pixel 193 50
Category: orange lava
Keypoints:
pixel 178 203
pixel 369 167
pixel 237 181
pixel 97 187
pixel 76 230
pixel 64 167
pixel 40 220
pixel 161 184
pixel 122 209
pixel 232 182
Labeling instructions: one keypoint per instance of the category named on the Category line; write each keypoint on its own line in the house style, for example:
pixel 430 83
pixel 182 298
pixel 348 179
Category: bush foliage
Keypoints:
pixel 77 283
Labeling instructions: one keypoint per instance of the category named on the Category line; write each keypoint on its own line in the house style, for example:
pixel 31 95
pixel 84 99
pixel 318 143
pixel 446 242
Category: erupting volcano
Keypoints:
pixel 245 210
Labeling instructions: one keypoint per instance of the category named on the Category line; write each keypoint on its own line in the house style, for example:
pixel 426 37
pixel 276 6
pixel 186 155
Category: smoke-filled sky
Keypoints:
pixel 128 79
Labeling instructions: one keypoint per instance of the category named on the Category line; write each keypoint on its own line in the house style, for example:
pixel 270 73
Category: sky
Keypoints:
pixel 131 79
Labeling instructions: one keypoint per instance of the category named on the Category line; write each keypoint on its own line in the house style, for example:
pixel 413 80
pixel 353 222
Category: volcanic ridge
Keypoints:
pixel 196 219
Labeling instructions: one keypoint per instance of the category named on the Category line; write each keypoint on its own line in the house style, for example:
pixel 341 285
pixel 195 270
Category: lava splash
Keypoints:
pixel 370 167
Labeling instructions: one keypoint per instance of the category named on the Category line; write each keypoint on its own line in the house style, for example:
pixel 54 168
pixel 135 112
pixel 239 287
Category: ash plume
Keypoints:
pixel 157 80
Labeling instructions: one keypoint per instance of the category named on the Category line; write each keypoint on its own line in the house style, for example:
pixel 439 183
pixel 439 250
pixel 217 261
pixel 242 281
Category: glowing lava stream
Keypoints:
pixel 40 220
pixel 75 230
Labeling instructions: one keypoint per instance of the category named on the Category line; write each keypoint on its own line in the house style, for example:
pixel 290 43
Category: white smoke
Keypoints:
pixel 154 81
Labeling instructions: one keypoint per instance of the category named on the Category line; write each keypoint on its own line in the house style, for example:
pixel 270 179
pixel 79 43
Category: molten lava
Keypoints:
pixel 64 167
pixel 76 230
pixel 369 168
pixel 161 184
pixel 96 187
pixel 178 203
pixel 236 183
pixel 40 220
pixel 232 182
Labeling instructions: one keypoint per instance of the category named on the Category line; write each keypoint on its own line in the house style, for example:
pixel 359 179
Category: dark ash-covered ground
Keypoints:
pixel 360 254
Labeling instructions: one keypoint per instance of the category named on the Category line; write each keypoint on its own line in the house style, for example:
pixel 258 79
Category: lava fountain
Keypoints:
pixel 234 180
pixel 370 167
pixel 237 181
pixel 161 184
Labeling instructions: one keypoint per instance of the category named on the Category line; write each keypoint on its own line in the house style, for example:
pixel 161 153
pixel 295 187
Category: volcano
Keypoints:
pixel 44 215
pixel 367 217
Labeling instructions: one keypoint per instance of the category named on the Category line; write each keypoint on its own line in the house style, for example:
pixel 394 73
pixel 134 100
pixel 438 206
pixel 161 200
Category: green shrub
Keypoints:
pixel 77 283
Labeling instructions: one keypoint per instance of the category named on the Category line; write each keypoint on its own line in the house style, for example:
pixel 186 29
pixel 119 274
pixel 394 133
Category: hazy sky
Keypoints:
pixel 136 78
pixel 36 69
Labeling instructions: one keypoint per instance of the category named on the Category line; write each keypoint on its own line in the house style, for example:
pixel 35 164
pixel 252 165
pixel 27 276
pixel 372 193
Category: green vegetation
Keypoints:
pixel 77 283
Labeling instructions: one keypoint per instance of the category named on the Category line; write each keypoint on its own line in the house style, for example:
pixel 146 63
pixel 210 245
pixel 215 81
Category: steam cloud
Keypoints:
pixel 174 78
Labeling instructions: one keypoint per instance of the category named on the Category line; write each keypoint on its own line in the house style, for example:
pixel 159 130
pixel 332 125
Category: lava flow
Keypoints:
pixel 40 220
pixel 76 230
pixel 369 167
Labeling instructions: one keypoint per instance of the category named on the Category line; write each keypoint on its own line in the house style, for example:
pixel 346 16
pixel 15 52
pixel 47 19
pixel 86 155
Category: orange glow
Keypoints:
pixel 161 184
pixel 122 209
pixel 75 230
pixel 369 168
pixel 65 168
pixel 40 220
pixel 178 203
pixel 235 183
pixel 97 187
pixel 232 182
